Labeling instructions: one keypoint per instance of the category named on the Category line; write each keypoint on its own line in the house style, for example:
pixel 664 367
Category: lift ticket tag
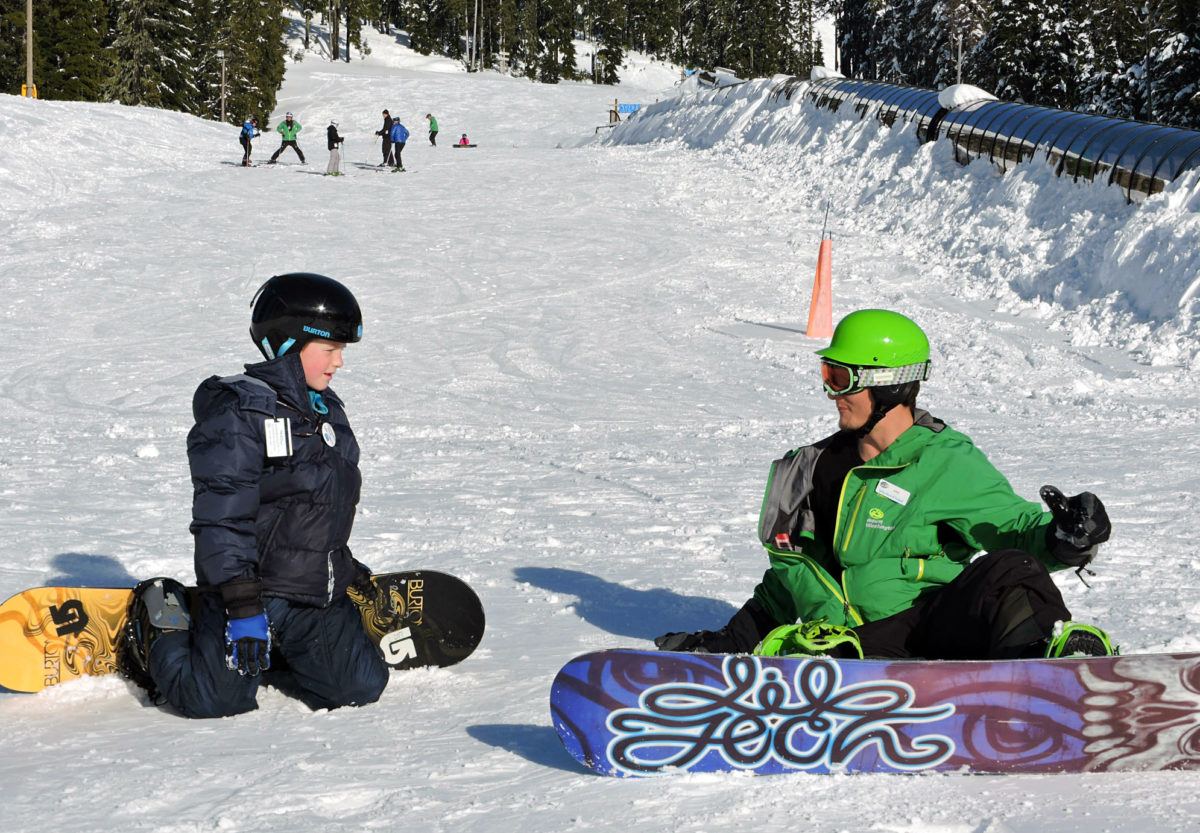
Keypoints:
pixel 279 437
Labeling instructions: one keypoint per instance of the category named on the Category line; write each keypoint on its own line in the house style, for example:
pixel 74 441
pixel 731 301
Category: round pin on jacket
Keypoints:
pixel 328 435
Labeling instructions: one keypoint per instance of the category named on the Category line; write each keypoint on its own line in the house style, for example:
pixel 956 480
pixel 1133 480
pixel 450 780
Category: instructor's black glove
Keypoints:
pixel 741 635
pixel 1080 525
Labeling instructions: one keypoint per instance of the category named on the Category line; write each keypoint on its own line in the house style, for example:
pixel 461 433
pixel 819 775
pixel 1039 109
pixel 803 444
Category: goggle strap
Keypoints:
pixel 873 377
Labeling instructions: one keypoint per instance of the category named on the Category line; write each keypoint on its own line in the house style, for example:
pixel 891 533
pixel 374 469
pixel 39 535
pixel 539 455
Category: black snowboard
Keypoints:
pixel 422 618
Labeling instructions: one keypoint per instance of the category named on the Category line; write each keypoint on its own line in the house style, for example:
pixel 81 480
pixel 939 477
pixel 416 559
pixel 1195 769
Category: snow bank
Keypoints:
pixel 95 145
pixel 960 95
pixel 1103 271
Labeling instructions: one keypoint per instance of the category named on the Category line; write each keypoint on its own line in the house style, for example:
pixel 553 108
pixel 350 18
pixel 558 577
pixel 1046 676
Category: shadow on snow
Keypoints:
pixel 536 744
pixel 81 569
pixel 620 610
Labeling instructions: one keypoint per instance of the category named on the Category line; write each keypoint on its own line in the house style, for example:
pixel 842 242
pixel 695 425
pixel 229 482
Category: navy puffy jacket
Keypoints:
pixel 283 521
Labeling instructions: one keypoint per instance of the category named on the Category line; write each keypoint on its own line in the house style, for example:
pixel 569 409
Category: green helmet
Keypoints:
pixel 877 338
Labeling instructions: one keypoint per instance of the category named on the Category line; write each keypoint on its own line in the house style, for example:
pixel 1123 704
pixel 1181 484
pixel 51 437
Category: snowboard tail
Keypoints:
pixel 637 713
pixel 52 635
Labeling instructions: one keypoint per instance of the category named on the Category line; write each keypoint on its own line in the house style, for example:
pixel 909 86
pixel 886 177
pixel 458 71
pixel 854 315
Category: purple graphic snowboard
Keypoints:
pixel 628 712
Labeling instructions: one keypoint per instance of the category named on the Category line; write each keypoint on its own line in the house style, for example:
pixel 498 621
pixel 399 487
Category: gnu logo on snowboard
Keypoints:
pixel 69 617
pixel 812 721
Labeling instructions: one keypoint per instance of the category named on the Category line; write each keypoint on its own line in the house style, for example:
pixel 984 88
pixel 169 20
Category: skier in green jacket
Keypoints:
pixel 870 533
pixel 288 129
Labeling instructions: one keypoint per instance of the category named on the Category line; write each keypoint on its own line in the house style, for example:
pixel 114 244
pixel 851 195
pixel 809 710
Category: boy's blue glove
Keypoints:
pixel 248 644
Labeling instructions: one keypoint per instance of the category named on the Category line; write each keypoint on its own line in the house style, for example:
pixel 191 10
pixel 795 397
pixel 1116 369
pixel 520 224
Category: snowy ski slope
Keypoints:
pixel 574 373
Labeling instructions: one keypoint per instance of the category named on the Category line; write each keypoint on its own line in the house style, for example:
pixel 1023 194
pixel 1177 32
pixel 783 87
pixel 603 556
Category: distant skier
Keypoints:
pixel 288 130
pixel 399 137
pixel 874 534
pixel 386 132
pixel 335 154
pixel 464 141
pixel 275 470
pixel 433 129
pixel 248 134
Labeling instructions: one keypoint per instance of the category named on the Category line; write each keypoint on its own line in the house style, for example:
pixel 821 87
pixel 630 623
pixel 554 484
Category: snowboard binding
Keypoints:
pixel 1076 639
pixel 811 639
pixel 158 606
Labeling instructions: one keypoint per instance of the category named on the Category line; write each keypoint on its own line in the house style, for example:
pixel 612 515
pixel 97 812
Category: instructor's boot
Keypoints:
pixel 158 606
pixel 811 639
pixel 1076 639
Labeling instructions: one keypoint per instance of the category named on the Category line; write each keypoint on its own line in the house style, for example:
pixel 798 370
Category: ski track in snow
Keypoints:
pixel 571 383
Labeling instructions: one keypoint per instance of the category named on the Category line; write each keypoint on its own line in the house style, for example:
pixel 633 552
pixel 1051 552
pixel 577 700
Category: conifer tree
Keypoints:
pixel 606 21
pixel 1031 53
pixel 12 45
pixel 508 32
pixel 531 47
pixel 857 25
pixel 1178 66
pixel 254 57
pixel 137 79
pixel 801 37
pixel 1114 51
pixel 558 40
pixel 70 61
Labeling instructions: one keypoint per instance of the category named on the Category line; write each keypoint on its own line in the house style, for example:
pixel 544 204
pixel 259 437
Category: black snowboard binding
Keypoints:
pixel 158 606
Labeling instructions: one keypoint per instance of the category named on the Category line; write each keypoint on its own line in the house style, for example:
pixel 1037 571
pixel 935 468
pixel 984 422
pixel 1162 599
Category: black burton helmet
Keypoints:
pixel 292 309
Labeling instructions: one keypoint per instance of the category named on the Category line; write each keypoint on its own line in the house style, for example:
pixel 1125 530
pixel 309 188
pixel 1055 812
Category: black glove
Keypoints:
pixel 1080 525
pixel 741 635
pixel 247 631
pixel 363 581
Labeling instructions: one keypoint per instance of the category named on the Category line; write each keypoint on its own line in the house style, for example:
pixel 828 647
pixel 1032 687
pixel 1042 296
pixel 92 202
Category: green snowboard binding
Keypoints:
pixel 811 639
pixel 1075 639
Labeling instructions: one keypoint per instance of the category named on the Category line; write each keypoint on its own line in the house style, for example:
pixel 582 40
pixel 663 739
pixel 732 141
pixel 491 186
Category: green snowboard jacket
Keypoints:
pixel 289 133
pixel 907 523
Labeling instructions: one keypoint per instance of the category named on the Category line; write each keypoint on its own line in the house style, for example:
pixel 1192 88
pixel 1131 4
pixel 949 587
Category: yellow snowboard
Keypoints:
pixel 52 635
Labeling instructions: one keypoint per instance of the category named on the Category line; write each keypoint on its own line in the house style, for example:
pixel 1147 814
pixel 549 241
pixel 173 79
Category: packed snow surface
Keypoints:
pixel 578 362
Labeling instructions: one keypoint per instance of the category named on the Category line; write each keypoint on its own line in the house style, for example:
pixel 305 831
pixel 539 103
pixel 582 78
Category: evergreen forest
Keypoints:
pixel 1130 59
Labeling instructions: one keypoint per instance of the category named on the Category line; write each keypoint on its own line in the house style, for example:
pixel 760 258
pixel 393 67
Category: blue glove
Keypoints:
pixel 248 644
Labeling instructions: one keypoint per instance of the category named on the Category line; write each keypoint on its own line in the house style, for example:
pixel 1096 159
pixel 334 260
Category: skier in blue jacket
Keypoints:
pixel 276 483
pixel 399 137
pixel 249 132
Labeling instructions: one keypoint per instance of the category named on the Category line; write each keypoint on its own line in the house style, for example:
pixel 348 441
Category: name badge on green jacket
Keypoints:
pixel 893 492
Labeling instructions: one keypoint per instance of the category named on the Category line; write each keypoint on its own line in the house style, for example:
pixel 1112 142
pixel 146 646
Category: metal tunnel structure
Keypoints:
pixel 1141 158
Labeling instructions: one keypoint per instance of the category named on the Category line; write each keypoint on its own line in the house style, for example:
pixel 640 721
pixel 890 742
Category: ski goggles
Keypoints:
pixel 844 379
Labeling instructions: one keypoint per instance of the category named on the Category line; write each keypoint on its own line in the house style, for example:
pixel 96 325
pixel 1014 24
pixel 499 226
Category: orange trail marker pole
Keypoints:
pixel 820 311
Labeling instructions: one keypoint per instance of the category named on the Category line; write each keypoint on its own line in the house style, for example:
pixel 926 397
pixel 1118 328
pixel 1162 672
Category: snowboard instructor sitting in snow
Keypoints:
pixel 275 473
pixel 870 533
